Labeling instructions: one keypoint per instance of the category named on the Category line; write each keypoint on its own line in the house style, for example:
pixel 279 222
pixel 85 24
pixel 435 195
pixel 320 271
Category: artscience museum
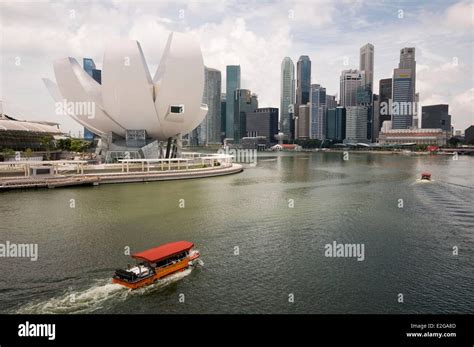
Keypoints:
pixel 132 112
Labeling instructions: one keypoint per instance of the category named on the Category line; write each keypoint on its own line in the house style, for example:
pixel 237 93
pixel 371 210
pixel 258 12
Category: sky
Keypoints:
pixel 255 34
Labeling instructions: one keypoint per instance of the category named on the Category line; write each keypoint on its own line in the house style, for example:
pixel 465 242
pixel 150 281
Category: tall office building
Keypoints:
pixel 317 102
pixel 385 95
pixel 223 116
pixel 366 64
pixel 263 122
pixel 336 124
pixel 302 125
pixel 404 90
pixel 212 97
pixel 403 99
pixel 232 84
pixel 375 117
pixel 356 124
pixel 364 98
pixel 287 95
pixel 331 101
pixel 349 82
pixel 303 83
pixel 436 117
pixel 244 102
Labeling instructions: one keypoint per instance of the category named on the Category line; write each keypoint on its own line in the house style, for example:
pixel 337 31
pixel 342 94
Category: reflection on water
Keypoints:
pixel 280 249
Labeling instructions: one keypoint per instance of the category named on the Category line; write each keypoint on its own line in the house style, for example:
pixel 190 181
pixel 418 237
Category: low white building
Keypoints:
pixel 418 136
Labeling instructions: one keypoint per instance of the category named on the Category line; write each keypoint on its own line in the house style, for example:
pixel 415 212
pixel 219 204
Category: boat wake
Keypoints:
pixel 95 298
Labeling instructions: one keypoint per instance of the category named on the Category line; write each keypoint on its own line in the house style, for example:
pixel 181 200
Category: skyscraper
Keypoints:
pixel 436 116
pixel 404 90
pixel 356 124
pixel 287 95
pixel 303 75
pixel 232 84
pixel 317 99
pixel 336 124
pixel 302 125
pixel 403 99
pixel 331 101
pixel 263 122
pixel 385 95
pixel 223 115
pixel 366 64
pixel 244 102
pixel 212 97
pixel 349 81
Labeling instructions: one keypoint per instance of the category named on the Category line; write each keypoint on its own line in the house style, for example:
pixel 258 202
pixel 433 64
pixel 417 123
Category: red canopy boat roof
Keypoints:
pixel 164 251
pixel 425 174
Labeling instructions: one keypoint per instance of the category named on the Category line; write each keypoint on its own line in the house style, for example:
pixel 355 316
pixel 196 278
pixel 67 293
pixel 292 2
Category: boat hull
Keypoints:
pixel 160 273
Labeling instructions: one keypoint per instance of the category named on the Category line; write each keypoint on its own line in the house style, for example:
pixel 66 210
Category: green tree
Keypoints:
pixel 28 153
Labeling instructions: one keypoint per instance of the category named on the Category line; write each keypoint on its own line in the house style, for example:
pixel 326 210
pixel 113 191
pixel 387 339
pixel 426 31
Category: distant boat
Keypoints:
pixel 426 176
pixel 156 263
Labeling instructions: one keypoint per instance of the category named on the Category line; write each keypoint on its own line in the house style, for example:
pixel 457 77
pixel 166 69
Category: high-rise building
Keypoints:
pixel 212 97
pixel 244 102
pixel 366 64
pixel 356 124
pixel 375 117
pixel 436 117
pixel 232 84
pixel 385 97
pixel 404 90
pixel 336 124
pixel 287 95
pixel 349 82
pixel 263 122
pixel 331 101
pixel 364 98
pixel 302 125
pixel 223 115
pixel 317 102
pixel 403 99
pixel 303 83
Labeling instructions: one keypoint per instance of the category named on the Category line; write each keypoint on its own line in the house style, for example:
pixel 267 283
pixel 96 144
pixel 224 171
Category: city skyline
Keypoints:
pixel 229 37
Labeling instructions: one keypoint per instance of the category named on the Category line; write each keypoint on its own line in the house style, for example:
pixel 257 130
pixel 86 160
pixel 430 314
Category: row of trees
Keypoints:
pixel 48 144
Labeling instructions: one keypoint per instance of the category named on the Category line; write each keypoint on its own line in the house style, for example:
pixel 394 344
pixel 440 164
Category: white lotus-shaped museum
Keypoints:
pixel 128 98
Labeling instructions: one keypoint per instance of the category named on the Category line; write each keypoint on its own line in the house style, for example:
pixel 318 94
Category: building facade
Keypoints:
pixel 435 137
pixel 404 90
pixel 317 102
pixel 287 95
pixel 385 97
pixel 356 124
pixel 302 125
pixel 232 84
pixel 263 122
pixel 244 102
pixel 303 83
pixel 436 116
pixel 349 82
pixel 366 64
pixel 336 124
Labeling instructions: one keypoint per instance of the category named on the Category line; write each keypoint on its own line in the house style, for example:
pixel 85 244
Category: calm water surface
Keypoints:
pixel 281 250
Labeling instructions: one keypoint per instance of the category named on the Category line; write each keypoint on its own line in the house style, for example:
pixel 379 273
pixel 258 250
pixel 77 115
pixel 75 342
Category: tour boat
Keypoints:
pixel 426 176
pixel 156 263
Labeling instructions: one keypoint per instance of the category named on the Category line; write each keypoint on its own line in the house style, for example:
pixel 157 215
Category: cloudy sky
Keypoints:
pixel 255 34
